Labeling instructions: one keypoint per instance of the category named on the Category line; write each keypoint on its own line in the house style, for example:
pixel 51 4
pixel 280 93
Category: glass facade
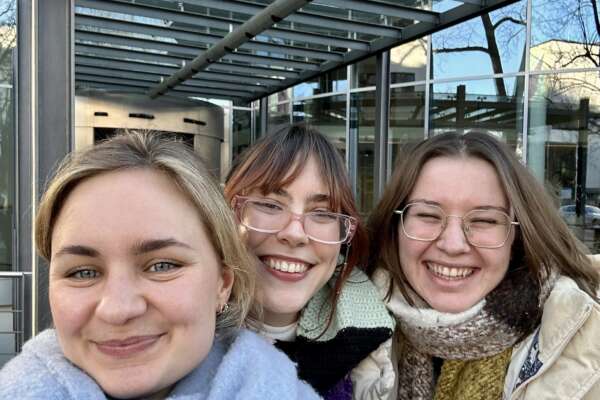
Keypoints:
pixel 539 93
pixel 11 285
pixel 7 132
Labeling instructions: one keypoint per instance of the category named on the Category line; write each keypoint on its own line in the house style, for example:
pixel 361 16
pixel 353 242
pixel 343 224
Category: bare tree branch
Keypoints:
pixel 461 49
pixel 509 19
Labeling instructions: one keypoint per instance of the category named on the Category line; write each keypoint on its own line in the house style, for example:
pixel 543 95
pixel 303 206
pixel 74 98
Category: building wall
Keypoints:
pixel 512 73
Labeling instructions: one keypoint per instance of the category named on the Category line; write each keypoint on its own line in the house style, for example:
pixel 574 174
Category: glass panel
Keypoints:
pixel 407 120
pixel 493 43
pixel 241 131
pixel 333 81
pixel 327 115
pixel 476 106
pixel 8 38
pixel 564 34
pixel 408 62
pixel 363 73
pixel 362 111
pixel 563 148
pixel 7 178
pixel 279 116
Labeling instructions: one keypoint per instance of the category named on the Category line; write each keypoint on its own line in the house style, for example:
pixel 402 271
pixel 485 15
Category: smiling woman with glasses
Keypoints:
pixel 493 296
pixel 295 208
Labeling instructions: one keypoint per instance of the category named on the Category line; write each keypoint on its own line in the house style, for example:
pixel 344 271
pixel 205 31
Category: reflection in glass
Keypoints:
pixel 408 62
pixel 407 116
pixel 363 73
pixel 476 106
pixel 333 81
pixel 563 148
pixel 241 131
pixel 8 38
pixel 564 34
pixel 7 178
pixel 327 115
pixel 493 43
pixel 279 116
pixel 362 120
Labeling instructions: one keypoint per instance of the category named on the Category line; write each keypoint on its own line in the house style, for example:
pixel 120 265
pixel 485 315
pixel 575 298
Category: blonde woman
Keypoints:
pixel 148 283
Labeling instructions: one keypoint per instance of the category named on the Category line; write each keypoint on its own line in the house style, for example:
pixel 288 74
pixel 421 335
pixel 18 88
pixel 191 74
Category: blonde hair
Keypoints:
pixel 147 150
pixel 543 240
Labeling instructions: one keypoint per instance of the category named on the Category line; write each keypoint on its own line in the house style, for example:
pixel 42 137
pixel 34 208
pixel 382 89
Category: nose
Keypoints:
pixel 452 240
pixel 122 299
pixel 293 233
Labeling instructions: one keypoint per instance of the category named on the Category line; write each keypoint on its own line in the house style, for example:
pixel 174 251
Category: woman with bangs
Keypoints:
pixel 494 296
pixel 296 211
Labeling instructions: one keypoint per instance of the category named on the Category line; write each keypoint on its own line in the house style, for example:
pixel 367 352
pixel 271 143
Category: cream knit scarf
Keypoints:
pixel 507 314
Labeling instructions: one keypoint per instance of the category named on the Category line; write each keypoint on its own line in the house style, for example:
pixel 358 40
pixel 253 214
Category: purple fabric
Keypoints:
pixel 341 391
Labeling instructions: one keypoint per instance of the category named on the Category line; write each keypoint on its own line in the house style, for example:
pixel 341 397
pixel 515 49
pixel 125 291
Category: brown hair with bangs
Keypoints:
pixel 542 241
pixel 278 158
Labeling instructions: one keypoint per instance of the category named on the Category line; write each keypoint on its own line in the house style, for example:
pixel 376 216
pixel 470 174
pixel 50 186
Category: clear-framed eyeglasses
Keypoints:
pixel 487 228
pixel 269 216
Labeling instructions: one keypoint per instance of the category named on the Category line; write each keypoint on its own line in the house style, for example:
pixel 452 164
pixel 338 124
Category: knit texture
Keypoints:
pixel 359 325
pixel 509 313
pixel 247 368
pixel 481 379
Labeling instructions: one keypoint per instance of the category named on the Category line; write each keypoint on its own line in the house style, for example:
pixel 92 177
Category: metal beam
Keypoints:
pixel 194 19
pixel 276 11
pixel 84 22
pixel 119 54
pixel 119 65
pixel 155 78
pixel 382 116
pixel 154 45
pixel 142 90
pixel 383 8
pixel 147 84
pixel 302 17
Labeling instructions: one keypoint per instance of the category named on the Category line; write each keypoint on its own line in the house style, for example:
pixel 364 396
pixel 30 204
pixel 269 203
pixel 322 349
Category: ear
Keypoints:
pixel 225 285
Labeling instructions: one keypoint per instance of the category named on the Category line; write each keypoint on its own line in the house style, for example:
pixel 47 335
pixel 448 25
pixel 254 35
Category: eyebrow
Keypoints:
pixel 435 203
pixel 145 246
pixel 77 250
pixel 148 246
pixel 313 198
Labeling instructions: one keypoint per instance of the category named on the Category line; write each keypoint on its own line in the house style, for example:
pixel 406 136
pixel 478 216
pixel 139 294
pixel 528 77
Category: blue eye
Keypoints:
pixel 84 274
pixel 163 266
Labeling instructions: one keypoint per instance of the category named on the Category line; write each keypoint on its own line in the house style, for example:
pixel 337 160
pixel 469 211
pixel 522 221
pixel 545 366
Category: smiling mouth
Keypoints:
pixel 124 348
pixel 449 273
pixel 291 267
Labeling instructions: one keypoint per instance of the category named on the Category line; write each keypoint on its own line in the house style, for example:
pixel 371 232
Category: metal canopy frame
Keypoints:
pixel 242 50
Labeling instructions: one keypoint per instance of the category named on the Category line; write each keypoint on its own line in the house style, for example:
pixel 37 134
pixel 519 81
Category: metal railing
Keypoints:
pixel 12 313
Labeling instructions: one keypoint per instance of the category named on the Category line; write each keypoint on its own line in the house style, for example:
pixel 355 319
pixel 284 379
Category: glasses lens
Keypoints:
pixel 487 228
pixel 264 216
pixel 327 226
pixel 422 221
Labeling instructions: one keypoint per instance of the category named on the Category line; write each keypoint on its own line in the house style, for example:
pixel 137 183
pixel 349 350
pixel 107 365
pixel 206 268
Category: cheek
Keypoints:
pixel 71 309
pixel 327 253
pixel 256 239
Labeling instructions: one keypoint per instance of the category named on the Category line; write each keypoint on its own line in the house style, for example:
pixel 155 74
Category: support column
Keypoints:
pixel 382 113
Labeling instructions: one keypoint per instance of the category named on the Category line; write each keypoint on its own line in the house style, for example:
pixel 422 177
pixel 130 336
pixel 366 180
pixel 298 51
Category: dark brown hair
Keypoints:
pixel 543 240
pixel 278 158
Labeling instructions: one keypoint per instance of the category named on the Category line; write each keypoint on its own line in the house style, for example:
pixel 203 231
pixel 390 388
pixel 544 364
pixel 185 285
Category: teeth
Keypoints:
pixel 286 266
pixel 452 273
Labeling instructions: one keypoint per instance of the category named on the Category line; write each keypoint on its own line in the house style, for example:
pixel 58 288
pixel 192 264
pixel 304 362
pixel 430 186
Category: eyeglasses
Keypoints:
pixel 482 228
pixel 268 216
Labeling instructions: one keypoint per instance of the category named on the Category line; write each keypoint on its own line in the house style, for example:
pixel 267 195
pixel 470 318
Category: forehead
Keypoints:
pixel 468 181
pixel 132 203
